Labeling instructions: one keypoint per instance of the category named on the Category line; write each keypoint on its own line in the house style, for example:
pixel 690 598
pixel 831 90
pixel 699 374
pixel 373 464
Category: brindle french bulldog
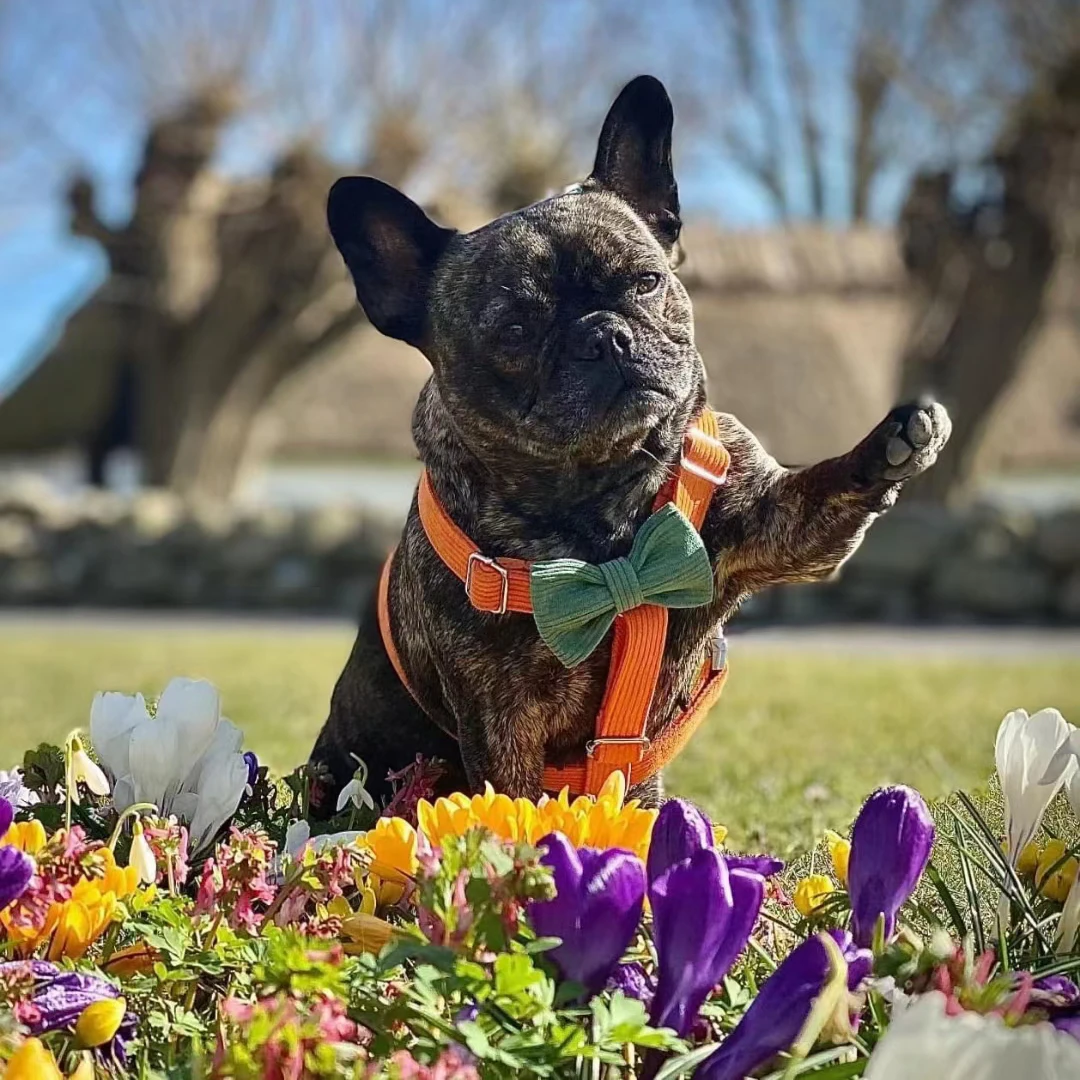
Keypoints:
pixel 564 376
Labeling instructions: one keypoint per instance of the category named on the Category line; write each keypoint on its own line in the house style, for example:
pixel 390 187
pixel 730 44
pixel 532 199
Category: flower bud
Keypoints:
pixel 82 768
pixel 99 1022
pixel 142 855
pixel 810 893
pixel 839 853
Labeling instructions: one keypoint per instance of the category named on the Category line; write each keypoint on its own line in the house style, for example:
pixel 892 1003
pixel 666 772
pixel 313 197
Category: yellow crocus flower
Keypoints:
pixel 604 822
pixel 839 853
pixel 32 1061
pixel 810 893
pixel 1028 862
pixel 85 1069
pixel 100 1021
pixel 28 836
pixel 365 933
pixel 1056 885
pixel 73 925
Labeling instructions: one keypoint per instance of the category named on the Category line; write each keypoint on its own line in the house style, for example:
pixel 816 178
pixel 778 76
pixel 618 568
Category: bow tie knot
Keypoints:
pixel 622 582
pixel 575 602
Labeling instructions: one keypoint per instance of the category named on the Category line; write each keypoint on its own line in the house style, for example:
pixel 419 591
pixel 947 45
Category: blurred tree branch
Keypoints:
pixel 982 268
pixel 222 280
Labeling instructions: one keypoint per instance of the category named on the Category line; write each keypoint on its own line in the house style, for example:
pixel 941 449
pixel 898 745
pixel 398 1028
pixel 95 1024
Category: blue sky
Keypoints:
pixel 44 273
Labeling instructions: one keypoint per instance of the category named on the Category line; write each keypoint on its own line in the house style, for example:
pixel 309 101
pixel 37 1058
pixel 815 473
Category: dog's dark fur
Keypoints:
pixel 565 375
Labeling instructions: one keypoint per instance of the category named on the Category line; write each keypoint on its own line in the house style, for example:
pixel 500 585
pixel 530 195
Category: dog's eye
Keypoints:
pixel 648 283
pixel 513 334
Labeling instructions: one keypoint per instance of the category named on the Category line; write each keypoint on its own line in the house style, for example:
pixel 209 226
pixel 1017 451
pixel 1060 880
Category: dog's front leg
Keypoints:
pixel 499 746
pixel 772 524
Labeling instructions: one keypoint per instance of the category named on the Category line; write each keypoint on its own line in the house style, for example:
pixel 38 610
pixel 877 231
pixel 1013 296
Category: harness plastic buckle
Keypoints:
pixel 504 575
pixel 699 470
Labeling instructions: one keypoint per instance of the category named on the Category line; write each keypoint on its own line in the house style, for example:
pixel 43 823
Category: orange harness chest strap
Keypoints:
pixel 502 585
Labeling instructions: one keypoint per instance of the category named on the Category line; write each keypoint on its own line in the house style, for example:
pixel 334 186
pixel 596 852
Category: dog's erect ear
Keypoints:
pixel 390 247
pixel 633 159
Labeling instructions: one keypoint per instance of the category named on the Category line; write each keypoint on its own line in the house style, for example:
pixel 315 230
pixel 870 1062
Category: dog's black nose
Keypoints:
pixel 602 336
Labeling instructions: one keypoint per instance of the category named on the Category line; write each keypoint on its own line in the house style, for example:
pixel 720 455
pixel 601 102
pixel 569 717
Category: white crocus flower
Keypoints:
pixel 221 784
pixel 1066 756
pixel 112 717
pixel 142 855
pixel 82 768
pixel 298 837
pixel 1025 747
pixel 186 759
pixel 924 1043
pixel 355 791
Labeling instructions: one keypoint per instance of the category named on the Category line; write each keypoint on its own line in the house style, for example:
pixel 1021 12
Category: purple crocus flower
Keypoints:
pixel 890 847
pixel 702 917
pixel 680 831
pixel 16 867
pixel 467 1013
pixel 252 767
pixel 597 907
pixel 1060 997
pixel 777 1016
pixel 860 962
pixel 632 981
pixel 764 865
pixel 1055 990
pixel 59 998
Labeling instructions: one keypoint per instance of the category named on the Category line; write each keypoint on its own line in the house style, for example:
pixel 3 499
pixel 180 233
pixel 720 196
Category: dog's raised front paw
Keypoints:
pixel 910 439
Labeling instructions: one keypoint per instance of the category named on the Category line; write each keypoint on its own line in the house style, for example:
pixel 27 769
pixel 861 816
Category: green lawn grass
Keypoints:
pixel 795 743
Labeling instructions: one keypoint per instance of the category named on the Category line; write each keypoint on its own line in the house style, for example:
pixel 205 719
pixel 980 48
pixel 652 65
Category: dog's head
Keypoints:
pixel 557 332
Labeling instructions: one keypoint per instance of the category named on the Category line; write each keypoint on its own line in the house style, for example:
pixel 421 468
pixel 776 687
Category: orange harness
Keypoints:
pixel 501 585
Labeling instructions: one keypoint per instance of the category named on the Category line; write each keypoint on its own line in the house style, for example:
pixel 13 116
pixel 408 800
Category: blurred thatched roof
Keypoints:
pixel 797 260
pixel 801 331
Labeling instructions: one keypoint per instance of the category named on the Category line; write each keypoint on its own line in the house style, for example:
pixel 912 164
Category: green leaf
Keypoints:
pixel 959 926
pixel 515 973
pixel 539 945
pixel 685 1063
pixel 841 1070
pixel 970 889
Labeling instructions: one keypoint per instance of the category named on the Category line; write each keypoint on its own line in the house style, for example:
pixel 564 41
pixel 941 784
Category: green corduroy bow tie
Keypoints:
pixel 575 602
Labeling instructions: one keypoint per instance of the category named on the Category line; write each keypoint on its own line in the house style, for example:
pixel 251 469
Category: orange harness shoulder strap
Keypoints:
pixel 501 585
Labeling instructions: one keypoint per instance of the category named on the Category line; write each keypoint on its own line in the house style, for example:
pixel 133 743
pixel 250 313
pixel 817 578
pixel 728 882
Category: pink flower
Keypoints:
pixel 234 881
pixel 411 784
pixel 449 1066
pixel 435 929
pixel 285 1029
pixel 168 840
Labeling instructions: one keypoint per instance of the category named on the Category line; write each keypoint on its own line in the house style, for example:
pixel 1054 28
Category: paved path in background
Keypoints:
pixel 865 639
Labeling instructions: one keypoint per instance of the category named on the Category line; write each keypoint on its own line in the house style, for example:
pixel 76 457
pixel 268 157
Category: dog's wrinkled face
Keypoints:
pixel 558 332
pixel 562 330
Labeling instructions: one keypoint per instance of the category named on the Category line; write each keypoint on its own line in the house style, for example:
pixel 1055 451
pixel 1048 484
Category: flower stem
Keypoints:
pixel 287 887
pixel 69 781
pixel 131 811
pixel 305 793
pixel 110 943
pixel 209 943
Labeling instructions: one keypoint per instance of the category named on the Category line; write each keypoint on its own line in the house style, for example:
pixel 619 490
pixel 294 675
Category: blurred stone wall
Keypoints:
pixel 917 563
